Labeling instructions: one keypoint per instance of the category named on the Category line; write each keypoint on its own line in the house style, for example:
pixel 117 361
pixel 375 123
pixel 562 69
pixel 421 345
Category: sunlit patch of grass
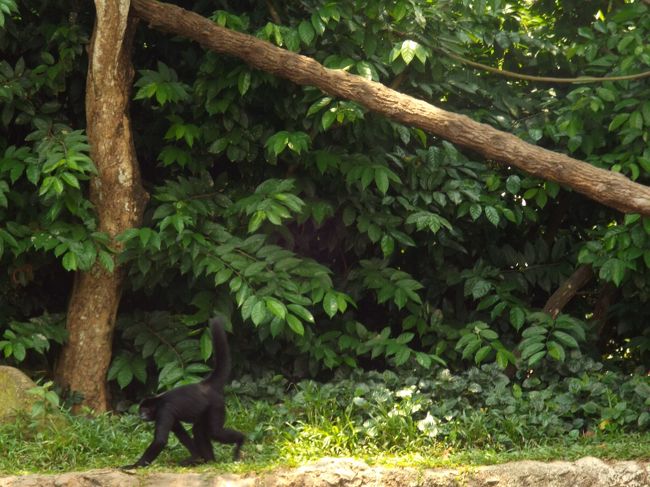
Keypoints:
pixel 110 441
pixel 369 419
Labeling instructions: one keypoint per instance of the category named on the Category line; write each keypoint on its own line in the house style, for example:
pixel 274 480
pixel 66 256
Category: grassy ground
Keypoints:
pixel 435 419
pixel 81 443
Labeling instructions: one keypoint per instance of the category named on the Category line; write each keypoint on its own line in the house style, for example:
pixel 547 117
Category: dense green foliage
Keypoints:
pixel 474 418
pixel 329 236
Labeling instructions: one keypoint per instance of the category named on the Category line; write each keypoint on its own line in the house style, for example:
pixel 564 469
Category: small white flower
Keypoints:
pixel 429 425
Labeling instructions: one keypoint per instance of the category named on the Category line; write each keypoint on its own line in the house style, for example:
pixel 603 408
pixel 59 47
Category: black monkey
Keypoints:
pixel 201 404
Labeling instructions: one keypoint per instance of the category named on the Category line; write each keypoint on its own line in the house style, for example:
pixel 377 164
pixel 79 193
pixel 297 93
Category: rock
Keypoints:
pixel 344 472
pixel 584 472
pixel 13 393
pixel 15 398
pixel 93 478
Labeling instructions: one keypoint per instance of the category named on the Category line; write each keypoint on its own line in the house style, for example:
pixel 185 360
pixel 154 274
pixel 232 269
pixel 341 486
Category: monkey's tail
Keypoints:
pixel 221 354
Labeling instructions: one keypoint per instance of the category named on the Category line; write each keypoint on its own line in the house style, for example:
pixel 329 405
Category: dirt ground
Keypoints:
pixel 344 472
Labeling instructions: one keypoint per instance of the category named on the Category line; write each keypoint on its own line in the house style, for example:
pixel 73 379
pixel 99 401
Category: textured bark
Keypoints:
pixel 606 187
pixel 117 195
pixel 568 290
pixel 606 297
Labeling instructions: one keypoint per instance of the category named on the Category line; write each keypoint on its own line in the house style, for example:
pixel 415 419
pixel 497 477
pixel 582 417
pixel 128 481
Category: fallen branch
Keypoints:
pixel 606 187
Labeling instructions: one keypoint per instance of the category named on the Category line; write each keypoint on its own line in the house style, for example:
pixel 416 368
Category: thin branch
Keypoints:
pixel 545 79
pixel 274 12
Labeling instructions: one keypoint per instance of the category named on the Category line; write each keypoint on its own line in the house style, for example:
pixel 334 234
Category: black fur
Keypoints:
pixel 201 404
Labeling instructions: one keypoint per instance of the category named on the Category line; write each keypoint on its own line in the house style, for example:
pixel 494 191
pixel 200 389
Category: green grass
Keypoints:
pixel 81 443
pixel 435 420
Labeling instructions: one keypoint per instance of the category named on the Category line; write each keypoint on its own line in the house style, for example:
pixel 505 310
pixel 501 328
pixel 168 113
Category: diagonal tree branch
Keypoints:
pixel 606 187
pixel 568 289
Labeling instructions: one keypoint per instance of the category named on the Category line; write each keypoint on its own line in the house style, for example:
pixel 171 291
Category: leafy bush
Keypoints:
pixel 35 336
pixel 479 408
pixel 334 236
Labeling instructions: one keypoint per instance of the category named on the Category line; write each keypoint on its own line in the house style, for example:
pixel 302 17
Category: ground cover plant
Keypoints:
pixel 479 417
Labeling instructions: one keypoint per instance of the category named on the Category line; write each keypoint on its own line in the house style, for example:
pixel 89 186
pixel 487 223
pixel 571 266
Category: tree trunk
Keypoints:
pixel 118 197
pixel 607 295
pixel 606 187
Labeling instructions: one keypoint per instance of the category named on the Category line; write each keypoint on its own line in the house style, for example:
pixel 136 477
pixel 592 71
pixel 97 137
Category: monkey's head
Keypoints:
pixel 148 409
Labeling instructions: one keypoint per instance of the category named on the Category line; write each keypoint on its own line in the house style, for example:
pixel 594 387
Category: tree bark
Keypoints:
pixel 569 288
pixel 606 187
pixel 607 295
pixel 118 197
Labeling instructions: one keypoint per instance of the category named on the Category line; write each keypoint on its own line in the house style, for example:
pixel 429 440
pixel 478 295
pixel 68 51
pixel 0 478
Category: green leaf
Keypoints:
pixel 489 334
pixel 606 94
pixel 405 338
pixel 399 297
pixel 70 179
pixel 330 304
pixel 247 306
pixel 423 359
pixel 317 23
pixel 482 353
pixel 374 233
pixel 276 143
pixel 124 376
pixel 258 314
pixel 276 307
pixel 517 317
pixel 328 119
pixel 636 121
pixel 513 184
pixel 381 180
pixel 19 351
pixel 295 324
pixel 277 325
pixel 480 288
pixel 387 245
pixel 644 419
pixel 536 358
pixel 613 270
pixel 244 82
pixel 532 349
pixel 618 120
pixel 205 344
pixel 502 359
pixel 565 339
pixel 106 260
pixel 534 331
pixel 475 211
pixel 69 261
pixel 464 340
pixel 306 32
pixel 402 356
pixel 302 312
pixel 556 351
pixel 316 107
pixel 298 142
pixel 367 175
pixel 471 348
pixel 222 276
pixel 407 50
pixel 342 302
pixel 254 269
pixel 492 214
pixel 256 220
